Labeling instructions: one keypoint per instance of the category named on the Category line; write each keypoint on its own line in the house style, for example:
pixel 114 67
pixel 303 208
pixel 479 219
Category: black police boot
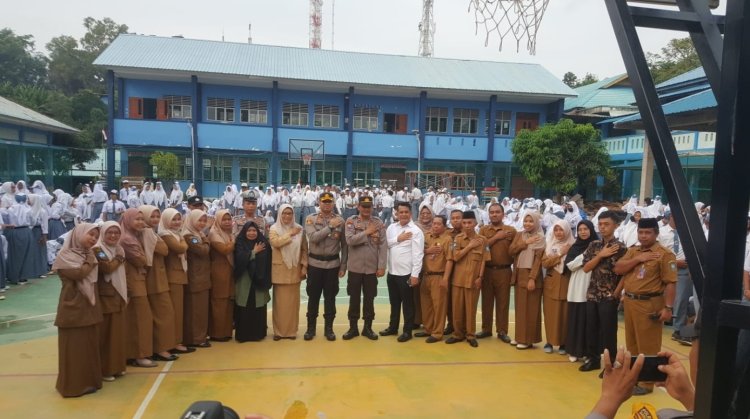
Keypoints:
pixel 367 331
pixel 353 331
pixel 310 333
pixel 329 330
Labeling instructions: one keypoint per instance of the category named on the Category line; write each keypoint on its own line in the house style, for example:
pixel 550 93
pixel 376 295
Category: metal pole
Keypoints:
pixel 193 151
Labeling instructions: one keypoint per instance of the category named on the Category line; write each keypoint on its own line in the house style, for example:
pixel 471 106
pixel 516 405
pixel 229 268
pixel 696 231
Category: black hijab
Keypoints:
pixel 258 268
pixel 580 245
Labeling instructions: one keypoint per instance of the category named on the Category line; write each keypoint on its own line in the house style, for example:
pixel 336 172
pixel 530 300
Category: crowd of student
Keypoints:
pixel 155 277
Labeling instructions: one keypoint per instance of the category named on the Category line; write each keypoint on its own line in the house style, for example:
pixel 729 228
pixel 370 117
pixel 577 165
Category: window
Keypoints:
pixel 221 110
pixel 363 173
pixel 395 123
pixel 294 114
pixel 179 107
pixel 366 119
pixel 186 168
pixel 502 122
pixel 328 172
pixel 436 120
pixel 253 171
pixel 326 116
pixel 465 121
pixel 254 111
pixel 217 169
pixel 292 172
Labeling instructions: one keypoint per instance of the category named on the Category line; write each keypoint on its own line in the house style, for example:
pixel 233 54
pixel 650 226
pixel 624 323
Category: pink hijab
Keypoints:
pixel 73 254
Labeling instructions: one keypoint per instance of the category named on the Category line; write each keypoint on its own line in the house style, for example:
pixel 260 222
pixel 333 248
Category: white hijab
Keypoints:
pixel 290 252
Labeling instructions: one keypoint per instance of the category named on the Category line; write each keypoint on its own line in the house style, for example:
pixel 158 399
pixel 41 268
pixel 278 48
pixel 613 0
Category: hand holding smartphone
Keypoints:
pixel 650 371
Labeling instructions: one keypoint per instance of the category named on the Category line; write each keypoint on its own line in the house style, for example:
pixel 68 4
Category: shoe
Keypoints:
pixel 432 339
pixel 561 351
pixel 352 333
pixel 483 334
pixel 522 346
pixel 224 339
pixel 572 359
pixel 548 349
pixel 641 391
pixel 676 336
pixel 369 334
pixel 2 297
pixel 601 375
pixel 142 363
pixel 205 344
pixel 590 366
pixel 108 378
pixel 276 338
pixel 158 357
pixel 309 333
pixel 404 337
pixel 503 337
pixel 330 336
pixel 421 335
pixel 180 351
pixel 513 342
pixel 448 330
pixel 473 343
pixel 388 332
pixel 451 340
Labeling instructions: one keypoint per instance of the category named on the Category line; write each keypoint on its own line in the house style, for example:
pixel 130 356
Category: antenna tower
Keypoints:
pixel 249 33
pixel 426 30
pixel 316 22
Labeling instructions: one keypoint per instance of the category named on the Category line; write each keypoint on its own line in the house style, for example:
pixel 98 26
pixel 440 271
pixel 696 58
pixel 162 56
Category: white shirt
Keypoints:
pixel 109 208
pixel 416 194
pixel 405 258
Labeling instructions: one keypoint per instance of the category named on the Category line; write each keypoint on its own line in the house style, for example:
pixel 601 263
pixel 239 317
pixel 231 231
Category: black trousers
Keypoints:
pixel 601 328
pixel 326 282
pixel 358 285
pixel 400 293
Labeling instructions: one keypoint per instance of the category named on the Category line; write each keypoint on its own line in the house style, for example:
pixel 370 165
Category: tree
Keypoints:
pixel 587 79
pixel 676 58
pixel 167 165
pixel 570 79
pixel 19 62
pixel 560 156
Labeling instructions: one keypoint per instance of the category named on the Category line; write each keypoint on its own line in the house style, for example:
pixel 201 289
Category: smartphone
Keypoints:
pixel 650 371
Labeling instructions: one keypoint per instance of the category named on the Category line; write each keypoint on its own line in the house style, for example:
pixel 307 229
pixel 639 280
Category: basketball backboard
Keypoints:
pixel 298 147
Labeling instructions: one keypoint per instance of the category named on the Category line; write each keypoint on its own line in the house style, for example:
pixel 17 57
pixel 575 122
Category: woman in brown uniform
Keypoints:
pixel 555 292
pixel 157 286
pixel 527 249
pixel 78 315
pixel 222 281
pixel 170 227
pixel 113 297
pixel 140 321
pixel 288 268
pixel 195 328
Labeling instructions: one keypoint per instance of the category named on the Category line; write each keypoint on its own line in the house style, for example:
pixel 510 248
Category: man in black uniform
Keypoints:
pixel 327 254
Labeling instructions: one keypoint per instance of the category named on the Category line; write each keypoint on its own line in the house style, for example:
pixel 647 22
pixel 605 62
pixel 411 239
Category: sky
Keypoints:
pixel 575 35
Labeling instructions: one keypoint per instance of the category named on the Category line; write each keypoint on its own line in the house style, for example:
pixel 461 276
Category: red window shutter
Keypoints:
pixel 161 109
pixel 401 123
pixel 135 108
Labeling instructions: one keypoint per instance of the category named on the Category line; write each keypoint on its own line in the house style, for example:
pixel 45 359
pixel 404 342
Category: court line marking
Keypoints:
pixel 152 392
pixel 8 322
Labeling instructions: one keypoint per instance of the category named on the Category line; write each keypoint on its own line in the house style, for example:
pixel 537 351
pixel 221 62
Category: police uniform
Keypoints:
pixel 367 255
pixel 496 281
pixel 327 257
pixel 239 221
pixel 434 298
pixel 465 295
pixel 644 296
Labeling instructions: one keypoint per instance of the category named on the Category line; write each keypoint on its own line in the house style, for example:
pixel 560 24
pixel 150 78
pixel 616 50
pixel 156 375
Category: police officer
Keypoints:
pixel 327 254
pixel 368 254
pixel 250 208
pixel 649 276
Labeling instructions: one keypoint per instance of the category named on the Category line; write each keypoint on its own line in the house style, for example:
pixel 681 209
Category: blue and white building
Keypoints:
pixel 231 109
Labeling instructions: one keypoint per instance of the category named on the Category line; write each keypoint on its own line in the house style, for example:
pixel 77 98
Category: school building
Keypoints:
pixel 248 113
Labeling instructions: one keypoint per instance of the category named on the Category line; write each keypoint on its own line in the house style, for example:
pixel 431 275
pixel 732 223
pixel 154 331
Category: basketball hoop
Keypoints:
pixel 306 159
pixel 518 17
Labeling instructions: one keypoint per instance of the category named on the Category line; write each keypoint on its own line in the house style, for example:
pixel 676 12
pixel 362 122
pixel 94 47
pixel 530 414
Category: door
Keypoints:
pixel 526 120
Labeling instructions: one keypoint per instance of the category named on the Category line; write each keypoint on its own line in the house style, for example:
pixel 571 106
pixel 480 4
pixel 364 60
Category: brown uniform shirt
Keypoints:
pixel 74 309
pixel 325 241
pixel 435 263
pixel 499 253
pixel 109 299
pixel 466 270
pixel 653 276
pixel 156 278
pixel 176 274
pixel 199 263
pixel 240 220
pixel 367 254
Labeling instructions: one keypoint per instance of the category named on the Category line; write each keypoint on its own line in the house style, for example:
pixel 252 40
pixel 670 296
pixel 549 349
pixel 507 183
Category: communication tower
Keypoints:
pixel 316 23
pixel 426 30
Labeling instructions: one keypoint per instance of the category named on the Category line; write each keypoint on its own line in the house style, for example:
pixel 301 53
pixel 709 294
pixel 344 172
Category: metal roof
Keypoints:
pixel 288 63
pixel 13 113
pixel 692 75
pixel 602 93
pixel 696 102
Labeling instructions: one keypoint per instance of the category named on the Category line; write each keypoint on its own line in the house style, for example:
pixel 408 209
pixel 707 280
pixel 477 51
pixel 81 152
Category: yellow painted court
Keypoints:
pixel 297 379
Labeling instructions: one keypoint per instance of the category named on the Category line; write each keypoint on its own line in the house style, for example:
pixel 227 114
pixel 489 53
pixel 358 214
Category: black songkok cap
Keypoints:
pixel 648 223
pixel 469 215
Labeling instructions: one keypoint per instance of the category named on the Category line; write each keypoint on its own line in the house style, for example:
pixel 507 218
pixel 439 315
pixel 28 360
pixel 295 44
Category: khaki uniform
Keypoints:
pixel 367 255
pixel 327 257
pixel 528 304
pixel 195 320
pixel 112 328
pixel 644 296
pixel 497 280
pixel 555 301
pixel 434 271
pixel 449 312
pixel 240 220
pixel 465 295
